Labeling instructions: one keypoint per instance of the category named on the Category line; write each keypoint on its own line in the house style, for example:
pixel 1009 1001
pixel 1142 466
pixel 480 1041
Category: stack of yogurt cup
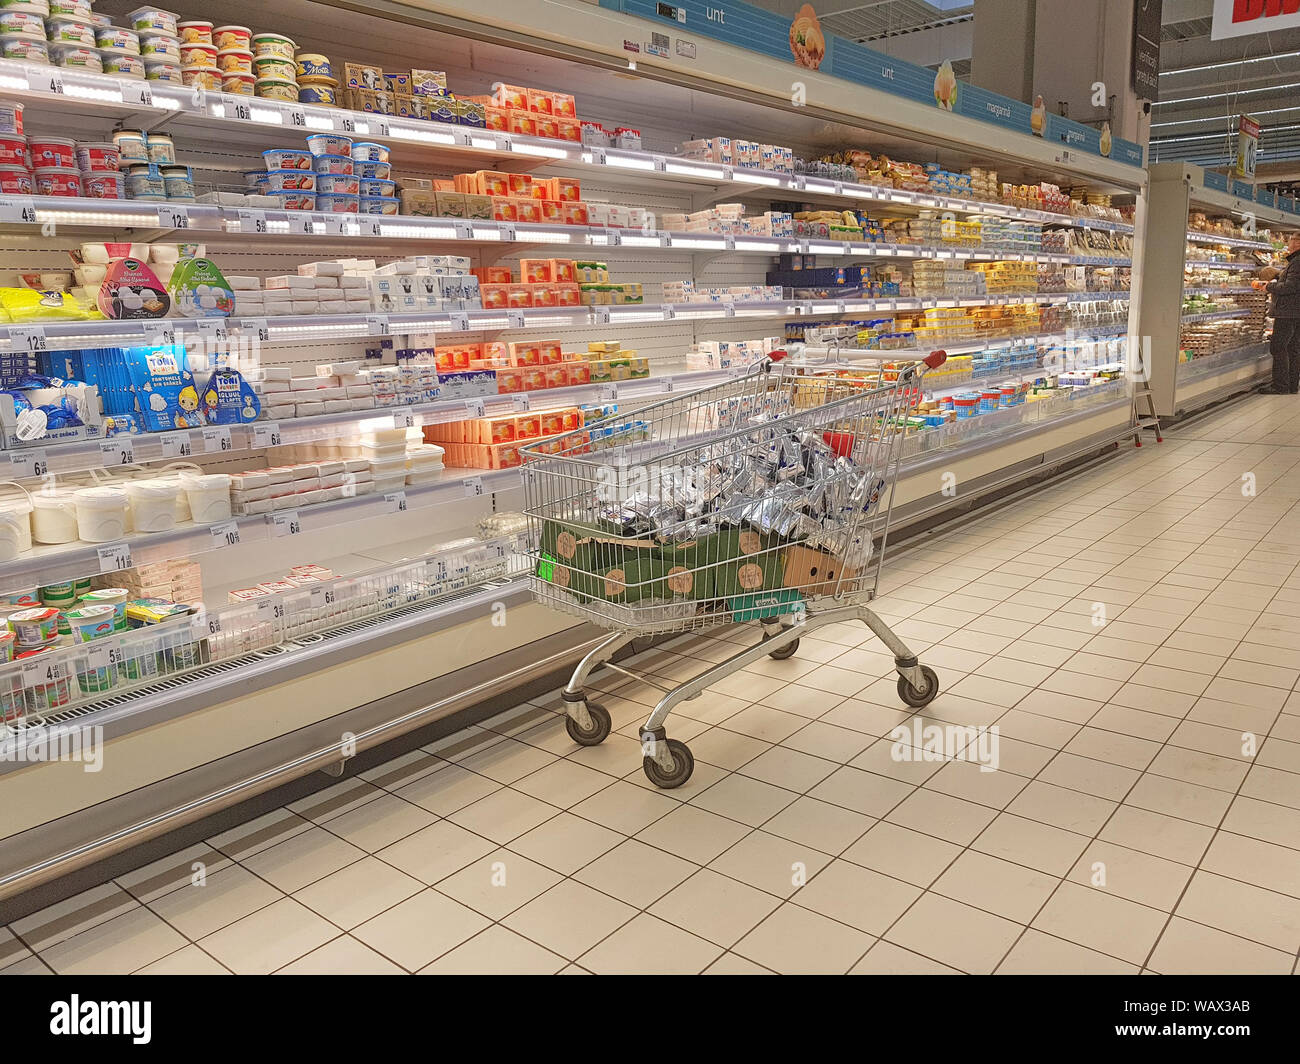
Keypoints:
pixel 274 72
pixel 53 166
pixel 198 55
pixel 235 59
pixel 68 34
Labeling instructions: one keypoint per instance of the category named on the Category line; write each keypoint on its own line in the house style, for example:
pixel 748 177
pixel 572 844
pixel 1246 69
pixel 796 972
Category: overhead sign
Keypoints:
pixel 1146 49
pixel 1238 18
pixel 1247 146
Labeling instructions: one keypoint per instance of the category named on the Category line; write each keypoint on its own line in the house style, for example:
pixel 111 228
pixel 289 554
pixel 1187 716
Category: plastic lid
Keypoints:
pixel 103 498
pixel 153 489
pixel 205 480
pixel 51 140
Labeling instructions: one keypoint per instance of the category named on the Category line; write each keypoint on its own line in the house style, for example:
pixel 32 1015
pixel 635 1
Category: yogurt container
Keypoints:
pixel 317 94
pixel 65 31
pixel 153 504
pixel 160 47
pixel 104 156
pixel 16 181
pixel 26 48
pixel 337 184
pixel 329 144
pixel 22 24
pixel 111 596
pixel 194 31
pixel 291 181
pixel 77 9
pixel 52 151
pixel 57 181
pixel 118 39
pixel 238 84
pixel 162 70
pixel 235 61
pixel 274 66
pixel 91 622
pixel 374 186
pixel 273 44
pixel 233 37
pixel 287 159
pixel 15 527
pixel 162 149
pixel 178 181
pixel 11 119
pixel 378 205
pixel 151 18
pixel 103 184
pixel 208 77
pixel 145 182
pixel 122 64
pixel 366 151
pixel 257 180
pixel 295 201
pixel 76 57
pixel 131 147
pixel 371 171
pixel 277 89
pixel 338 204
pixel 209 496
pixel 34 626
pixel 21 600
pixel 13 151
pixel 58 595
pixel 332 164
pixel 197 55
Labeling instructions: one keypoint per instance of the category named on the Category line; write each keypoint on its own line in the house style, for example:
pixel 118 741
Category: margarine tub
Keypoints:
pixel 311 65
pixel 121 64
pixel 162 71
pixel 76 57
pixel 27 48
pixel 26 7
pixel 157 46
pixel 197 55
pixel 194 31
pixel 273 44
pixel 274 66
pixel 15 527
pixel 78 9
pixel 22 24
pixel 277 89
pixel 323 95
pixel 233 37
pixel 132 147
pixel 238 84
pixel 365 151
pixel 117 38
pixel 66 31
pixel 54 516
pixel 235 61
pixel 149 18
pixel 153 504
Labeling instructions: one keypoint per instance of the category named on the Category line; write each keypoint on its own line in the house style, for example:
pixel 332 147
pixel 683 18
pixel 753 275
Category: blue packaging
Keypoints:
pixel 228 399
pixel 165 393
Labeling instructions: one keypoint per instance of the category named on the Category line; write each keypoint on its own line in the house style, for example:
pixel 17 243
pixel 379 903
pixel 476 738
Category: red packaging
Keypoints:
pixel 535 271
pixel 567 189
pixel 518 295
pixel 48 152
pixel 527 210
pixel 519 185
pixel 13 151
pixel 579 372
pixel 504 209
pixel 100 184
pixel 509 380
pixel 542 102
pixel 58 181
pixel 15 180
pixel 523 123
pixel 556 377
pixel 562 104
pixel 549 352
pixel 567 295
pixel 551 210
pixel 547 126
pixel 498 120
pixel 532 378
pixel 525 353
pixel 495 296
pixel 544 295
pixel 563 272
pixel 569 129
pixel 575 214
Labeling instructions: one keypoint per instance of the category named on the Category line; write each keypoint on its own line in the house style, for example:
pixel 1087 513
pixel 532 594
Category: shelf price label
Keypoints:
pixel 240 110
pixel 114 557
pixel 286 523
pixel 216 440
pixel 666 384
pixel 45 81
pixel 213 328
pixel 102 657
pixel 344 124
pixel 607 393
pixel 29 338
pixel 256 328
pixel 137 93
pixel 40 672
pixel 665 239
pixel 474 407
pixel 322 597
pixel 297 119
pixel 613 238
pixel 33 462
pixel 404 418
pixel 120 450
pixel 225 534
pixel 395 502
pixel 509 234
pixel 158 333
pixel 459 321
pixel 378 325
pixel 370 226
pixel 173 216
pixel 300 223
pixel 17 209
pixel 267 434
pixel 516 319
pixel 659 163
pixel 670 312
pixel 520 402
pixel 252 221
pixel 462 229
pixel 728 310
pixel 503 142
pixel 176 444
pixel 728 243
pixel 330 224
pixel 602 315
pixel 473 487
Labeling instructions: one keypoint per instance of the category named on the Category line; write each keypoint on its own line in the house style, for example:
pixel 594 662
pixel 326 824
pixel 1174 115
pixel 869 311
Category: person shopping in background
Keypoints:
pixel 1284 292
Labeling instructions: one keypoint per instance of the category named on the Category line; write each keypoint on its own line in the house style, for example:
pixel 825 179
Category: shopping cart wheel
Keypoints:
pixel 683 766
pixel 918 697
pixel 781 653
pixel 599 730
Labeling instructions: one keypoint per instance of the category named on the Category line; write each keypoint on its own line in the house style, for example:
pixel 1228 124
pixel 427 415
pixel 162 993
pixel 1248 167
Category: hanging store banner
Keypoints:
pixel 1238 18
pixel 1247 146
pixel 1146 49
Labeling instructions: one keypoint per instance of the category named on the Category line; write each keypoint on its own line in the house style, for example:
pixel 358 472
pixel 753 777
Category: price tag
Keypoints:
pixel 120 450
pixel 728 243
pixel 460 137
pixel 670 312
pixel 286 523
pixel 213 328
pixel 240 110
pixel 841 307
pixel 225 534
pixel 370 225
pixel 602 315
pixel 176 444
pixel 474 407
pixel 395 502
pixel 42 671
pixel 599 156
pixel 344 124
pixel 272 607
pixel 207 624
pixel 322 597
pixel 137 93
pixel 665 240
pixel 666 384
pixel 839 188
pixel 29 463
pixel 377 325
pixel 332 224
pixel 473 487
pixel 459 321
pixel 17 209
pixel 101 657
pixel 464 230
pixel 297 119
pixel 608 392
pixel 172 216
pixel 49 80
pixel 252 221
pixel 520 401
pixel 404 418
pixel 217 439
pixel 660 164
pixel 798 182
pixel 114 557
pixel 379 126
pixel 728 310
pixel 256 328
pixel 300 223
pixel 728 173
pixel 613 238
pixel 515 319
pixel 29 338
pixel 267 434
pixel 503 142
pixel 158 333
pixel 508 232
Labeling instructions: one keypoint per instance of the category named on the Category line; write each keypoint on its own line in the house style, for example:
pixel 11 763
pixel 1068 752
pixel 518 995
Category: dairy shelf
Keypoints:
pixel 1196 237
pixel 1211 264
pixel 1214 315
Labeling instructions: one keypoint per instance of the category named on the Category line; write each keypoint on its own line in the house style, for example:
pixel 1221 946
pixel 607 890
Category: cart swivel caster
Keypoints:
pixel 683 764
pixel 781 653
pixel 595 731
pixel 922 696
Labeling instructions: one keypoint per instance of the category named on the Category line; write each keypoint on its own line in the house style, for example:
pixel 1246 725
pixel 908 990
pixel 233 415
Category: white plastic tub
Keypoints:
pixel 15 528
pixel 209 496
pixel 101 514
pixel 153 504
pixel 54 517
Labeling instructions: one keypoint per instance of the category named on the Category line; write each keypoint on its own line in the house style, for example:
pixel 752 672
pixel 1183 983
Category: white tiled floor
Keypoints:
pixel 1127 829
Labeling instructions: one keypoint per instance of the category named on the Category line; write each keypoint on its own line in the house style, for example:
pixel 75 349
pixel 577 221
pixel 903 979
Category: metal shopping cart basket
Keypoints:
pixel 763 499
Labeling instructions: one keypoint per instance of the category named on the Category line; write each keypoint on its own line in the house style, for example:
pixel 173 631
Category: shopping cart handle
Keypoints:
pixel 776 356
pixel 935 359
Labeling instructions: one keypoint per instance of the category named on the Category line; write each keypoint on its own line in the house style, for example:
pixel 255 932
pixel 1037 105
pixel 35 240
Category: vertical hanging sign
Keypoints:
pixel 1146 49
pixel 1247 146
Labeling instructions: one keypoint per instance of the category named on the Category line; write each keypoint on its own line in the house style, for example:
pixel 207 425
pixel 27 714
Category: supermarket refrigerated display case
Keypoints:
pixel 393 637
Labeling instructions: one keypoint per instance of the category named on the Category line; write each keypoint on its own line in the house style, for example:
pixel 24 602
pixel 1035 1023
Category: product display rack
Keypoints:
pixel 1181 264
pixel 413 662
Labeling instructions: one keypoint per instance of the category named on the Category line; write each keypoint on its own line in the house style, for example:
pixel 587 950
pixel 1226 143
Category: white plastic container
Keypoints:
pixel 153 504
pixel 54 517
pixel 101 514
pixel 209 496
pixel 15 528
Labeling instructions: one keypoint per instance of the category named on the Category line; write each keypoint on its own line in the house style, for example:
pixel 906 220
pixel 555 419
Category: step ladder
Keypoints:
pixel 1144 420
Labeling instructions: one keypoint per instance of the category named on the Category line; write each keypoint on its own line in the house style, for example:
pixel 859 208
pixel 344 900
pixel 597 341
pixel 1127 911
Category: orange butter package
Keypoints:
pixel 567 189
pixel 520 185
pixel 563 271
pixel 579 372
pixel 504 209
pixel 495 296
pixel 523 123
pixel 569 129
pixel 535 271
pixel 497 120
pixel 551 210
pixel 528 426
pixel 542 102
pixel 546 126
pixel 527 210
pixel 544 295
pixel 510 96
pixel 562 104
pixel 518 295
pixel 533 378
pixel 567 295
pixel 525 353
pixel 575 213
pixel 549 352
pixel 557 376
pixel 509 380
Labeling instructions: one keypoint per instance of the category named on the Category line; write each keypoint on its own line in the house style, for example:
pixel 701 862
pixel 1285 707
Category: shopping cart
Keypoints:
pixel 763 499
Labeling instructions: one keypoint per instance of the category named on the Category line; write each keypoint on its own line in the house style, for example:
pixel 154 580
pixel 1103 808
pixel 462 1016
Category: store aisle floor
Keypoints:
pixel 1129 827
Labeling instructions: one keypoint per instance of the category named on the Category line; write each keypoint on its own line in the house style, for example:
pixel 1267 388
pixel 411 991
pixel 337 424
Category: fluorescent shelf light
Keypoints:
pixel 758 179
pixel 540 150
pixel 761 246
pixel 694 171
